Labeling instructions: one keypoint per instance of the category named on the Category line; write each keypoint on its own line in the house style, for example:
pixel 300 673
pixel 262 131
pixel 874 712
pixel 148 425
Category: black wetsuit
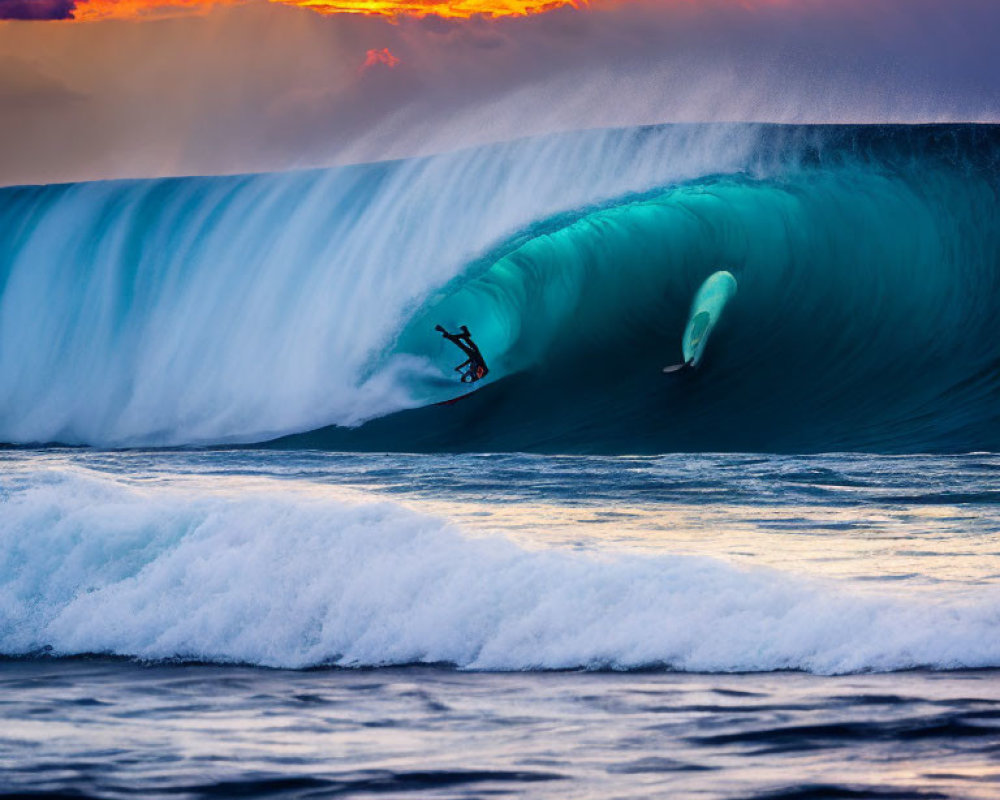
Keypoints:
pixel 476 363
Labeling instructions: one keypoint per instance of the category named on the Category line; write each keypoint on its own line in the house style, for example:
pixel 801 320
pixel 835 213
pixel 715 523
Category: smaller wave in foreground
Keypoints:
pixel 90 565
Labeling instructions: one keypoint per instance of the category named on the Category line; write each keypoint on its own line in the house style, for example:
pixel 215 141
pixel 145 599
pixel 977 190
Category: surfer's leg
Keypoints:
pixel 459 342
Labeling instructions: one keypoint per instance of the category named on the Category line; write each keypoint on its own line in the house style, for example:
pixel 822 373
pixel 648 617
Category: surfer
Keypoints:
pixel 476 363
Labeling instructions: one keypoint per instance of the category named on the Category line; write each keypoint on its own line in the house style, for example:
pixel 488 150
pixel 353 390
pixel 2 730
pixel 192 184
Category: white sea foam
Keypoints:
pixel 289 579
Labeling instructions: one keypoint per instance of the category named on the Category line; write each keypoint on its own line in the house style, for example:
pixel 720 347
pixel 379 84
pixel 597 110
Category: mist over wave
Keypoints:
pixel 284 578
pixel 254 86
pixel 213 310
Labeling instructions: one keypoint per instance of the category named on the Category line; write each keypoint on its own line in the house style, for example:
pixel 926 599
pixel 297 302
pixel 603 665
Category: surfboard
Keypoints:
pixel 456 399
pixel 706 310
pixel 677 368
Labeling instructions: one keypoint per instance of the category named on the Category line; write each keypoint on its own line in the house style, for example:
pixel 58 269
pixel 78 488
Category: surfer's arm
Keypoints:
pixel 463 365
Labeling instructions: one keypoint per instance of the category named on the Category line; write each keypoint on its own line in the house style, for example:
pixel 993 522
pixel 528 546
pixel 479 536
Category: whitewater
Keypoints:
pixel 248 548
pixel 867 259
pixel 303 561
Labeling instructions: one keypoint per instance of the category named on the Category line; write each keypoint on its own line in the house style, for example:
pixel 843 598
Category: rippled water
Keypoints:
pixel 733 626
pixel 111 729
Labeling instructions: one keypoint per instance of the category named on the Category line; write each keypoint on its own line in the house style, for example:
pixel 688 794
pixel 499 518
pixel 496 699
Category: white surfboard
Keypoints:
pixel 706 311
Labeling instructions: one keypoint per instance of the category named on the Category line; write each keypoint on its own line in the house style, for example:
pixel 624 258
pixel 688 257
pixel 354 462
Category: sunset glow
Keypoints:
pixel 94 10
pixel 441 8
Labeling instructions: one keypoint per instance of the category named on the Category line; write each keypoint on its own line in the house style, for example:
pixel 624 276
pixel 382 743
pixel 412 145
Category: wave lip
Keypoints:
pixel 88 565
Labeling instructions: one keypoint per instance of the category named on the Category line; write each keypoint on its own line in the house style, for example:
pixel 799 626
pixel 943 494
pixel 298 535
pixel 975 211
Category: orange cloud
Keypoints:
pixel 383 56
pixel 440 8
pixel 92 10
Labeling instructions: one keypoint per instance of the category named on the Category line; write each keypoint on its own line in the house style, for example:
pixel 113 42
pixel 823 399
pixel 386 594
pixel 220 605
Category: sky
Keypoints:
pixel 92 10
pixel 94 89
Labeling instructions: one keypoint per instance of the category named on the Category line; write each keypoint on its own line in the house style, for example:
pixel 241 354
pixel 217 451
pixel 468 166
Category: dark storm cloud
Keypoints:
pixel 36 9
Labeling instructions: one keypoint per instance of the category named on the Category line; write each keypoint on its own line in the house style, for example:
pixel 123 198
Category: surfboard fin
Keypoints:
pixel 674 368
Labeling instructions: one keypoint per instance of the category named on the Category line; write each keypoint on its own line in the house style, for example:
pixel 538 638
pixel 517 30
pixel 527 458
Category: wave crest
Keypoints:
pixel 89 565
pixel 221 310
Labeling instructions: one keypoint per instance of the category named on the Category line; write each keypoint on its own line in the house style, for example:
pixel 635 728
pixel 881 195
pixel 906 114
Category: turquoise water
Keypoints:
pixel 866 256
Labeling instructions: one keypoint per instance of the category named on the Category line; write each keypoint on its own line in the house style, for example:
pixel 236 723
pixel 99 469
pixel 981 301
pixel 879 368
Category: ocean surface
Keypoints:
pixel 250 547
pixel 247 623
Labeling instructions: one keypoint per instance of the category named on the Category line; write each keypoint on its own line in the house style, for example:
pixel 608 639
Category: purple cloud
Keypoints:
pixel 36 9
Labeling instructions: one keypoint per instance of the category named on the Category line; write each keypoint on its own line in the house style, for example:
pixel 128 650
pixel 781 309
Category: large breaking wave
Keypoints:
pixel 273 577
pixel 212 310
